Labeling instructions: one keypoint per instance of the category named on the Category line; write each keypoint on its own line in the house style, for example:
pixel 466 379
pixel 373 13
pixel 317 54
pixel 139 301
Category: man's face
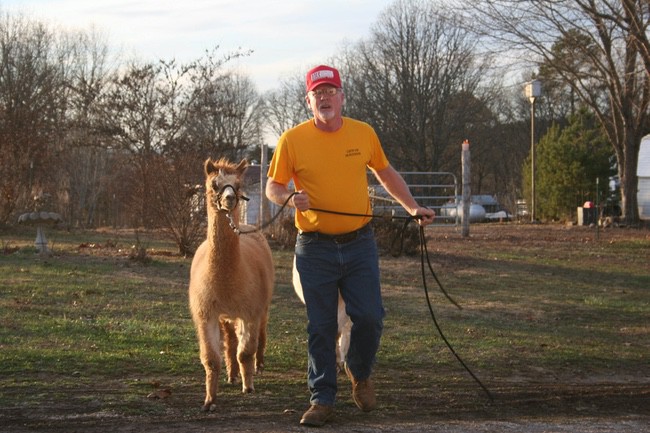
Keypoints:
pixel 326 102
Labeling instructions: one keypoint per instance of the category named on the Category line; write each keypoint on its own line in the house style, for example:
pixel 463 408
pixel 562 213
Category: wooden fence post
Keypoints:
pixel 467 195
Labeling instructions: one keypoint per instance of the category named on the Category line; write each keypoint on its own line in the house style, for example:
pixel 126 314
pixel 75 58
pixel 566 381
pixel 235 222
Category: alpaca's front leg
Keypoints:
pixel 230 343
pixel 248 338
pixel 208 333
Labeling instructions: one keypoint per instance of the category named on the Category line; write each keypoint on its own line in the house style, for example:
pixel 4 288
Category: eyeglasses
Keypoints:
pixel 327 91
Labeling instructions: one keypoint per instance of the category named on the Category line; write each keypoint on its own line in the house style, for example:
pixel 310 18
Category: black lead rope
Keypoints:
pixel 424 253
pixel 269 222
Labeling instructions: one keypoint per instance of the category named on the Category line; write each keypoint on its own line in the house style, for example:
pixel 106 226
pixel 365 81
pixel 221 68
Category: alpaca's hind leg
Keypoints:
pixel 248 338
pixel 209 345
pixel 261 346
pixel 343 341
pixel 230 342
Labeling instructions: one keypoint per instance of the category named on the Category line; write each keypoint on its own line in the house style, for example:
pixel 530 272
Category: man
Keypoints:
pixel 327 157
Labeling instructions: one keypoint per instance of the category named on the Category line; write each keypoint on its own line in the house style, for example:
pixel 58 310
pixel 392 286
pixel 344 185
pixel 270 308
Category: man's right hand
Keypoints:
pixel 300 201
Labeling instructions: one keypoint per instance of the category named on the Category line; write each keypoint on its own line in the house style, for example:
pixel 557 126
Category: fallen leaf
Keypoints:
pixel 160 393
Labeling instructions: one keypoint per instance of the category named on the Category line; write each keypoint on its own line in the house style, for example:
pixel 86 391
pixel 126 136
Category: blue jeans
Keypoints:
pixel 325 267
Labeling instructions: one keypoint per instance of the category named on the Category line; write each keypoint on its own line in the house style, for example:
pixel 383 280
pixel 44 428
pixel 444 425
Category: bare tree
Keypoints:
pixel 409 76
pixel 177 202
pixel 144 111
pixel 84 156
pixel 31 100
pixel 286 107
pixel 227 116
pixel 612 77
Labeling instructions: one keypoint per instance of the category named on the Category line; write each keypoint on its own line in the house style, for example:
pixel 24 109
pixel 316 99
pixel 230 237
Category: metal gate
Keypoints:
pixel 436 190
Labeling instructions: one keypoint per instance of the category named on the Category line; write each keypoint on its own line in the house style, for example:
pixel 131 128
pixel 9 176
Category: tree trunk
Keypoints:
pixel 629 181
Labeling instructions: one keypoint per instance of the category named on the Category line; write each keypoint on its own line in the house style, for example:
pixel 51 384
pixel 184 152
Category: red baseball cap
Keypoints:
pixel 323 75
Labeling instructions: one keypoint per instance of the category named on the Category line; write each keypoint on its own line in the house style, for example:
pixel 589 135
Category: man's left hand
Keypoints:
pixel 426 216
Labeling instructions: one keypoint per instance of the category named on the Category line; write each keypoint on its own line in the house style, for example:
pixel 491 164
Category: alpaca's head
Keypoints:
pixel 223 184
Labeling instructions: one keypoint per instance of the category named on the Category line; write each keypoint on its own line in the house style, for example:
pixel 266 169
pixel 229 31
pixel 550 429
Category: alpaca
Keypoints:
pixel 344 322
pixel 231 284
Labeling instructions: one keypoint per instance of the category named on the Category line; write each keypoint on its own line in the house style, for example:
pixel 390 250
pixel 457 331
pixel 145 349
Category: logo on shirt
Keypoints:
pixel 352 152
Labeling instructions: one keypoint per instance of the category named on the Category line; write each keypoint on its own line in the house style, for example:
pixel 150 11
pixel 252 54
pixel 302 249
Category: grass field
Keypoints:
pixel 555 321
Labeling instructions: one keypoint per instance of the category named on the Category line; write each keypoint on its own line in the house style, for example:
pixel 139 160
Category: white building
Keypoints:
pixel 643 174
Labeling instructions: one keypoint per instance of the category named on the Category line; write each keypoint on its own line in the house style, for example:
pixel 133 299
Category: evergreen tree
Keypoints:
pixel 568 163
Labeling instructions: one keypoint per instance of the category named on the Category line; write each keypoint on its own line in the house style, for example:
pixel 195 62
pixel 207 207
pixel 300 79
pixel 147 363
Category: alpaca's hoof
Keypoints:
pixel 209 407
pixel 259 369
pixel 248 390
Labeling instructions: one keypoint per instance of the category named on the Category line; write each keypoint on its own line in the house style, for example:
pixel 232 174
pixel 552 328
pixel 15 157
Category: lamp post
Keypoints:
pixel 533 91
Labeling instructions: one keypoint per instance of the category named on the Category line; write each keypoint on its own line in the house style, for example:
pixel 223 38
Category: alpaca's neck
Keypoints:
pixel 224 242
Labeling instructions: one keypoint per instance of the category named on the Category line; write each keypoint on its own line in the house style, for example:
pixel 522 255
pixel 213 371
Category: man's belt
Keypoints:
pixel 342 238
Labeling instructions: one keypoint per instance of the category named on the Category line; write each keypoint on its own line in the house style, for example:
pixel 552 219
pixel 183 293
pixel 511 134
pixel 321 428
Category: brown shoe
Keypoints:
pixel 363 392
pixel 317 415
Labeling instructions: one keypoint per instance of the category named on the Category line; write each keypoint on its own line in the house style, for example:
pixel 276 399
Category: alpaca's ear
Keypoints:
pixel 241 168
pixel 209 166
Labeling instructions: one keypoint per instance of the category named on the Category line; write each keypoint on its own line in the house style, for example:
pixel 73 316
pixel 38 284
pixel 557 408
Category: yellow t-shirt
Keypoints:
pixel 331 167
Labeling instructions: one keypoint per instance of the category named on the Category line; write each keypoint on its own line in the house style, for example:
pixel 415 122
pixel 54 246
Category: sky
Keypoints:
pixel 287 37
